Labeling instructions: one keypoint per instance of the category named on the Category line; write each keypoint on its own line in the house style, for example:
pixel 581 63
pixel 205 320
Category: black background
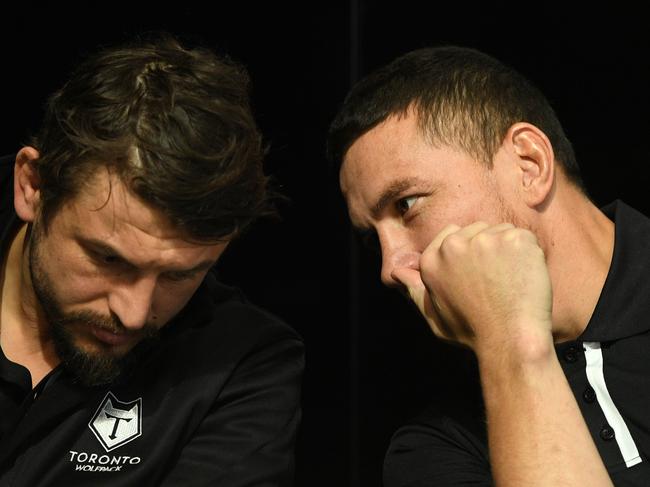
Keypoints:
pixel 370 362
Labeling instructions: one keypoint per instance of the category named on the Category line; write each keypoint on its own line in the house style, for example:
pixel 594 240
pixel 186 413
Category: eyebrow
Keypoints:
pixel 103 247
pixel 395 189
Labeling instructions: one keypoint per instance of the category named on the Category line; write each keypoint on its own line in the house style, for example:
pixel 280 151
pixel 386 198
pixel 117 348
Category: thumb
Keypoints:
pixel 410 279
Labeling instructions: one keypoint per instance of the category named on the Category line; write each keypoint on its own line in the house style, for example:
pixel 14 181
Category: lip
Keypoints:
pixel 110 338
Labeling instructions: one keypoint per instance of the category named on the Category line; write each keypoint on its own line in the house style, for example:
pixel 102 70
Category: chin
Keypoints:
pixel 91 363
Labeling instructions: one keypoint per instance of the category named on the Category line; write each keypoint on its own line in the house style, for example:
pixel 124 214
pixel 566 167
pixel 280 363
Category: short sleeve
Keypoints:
pixel 437 452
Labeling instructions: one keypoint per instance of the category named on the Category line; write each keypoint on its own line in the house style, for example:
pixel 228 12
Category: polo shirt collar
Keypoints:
pixel 624 305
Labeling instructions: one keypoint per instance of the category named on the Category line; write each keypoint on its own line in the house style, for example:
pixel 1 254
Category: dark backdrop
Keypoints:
pixel 371 363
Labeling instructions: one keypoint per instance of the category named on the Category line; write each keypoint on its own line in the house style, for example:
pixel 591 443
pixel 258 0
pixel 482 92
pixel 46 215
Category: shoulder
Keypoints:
pixel 438 448
pixel 219 332
pixel 224 311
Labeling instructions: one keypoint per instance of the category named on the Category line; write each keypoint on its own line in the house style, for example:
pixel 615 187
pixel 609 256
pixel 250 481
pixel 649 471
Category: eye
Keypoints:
pixel 110 259
pixel 106 259
pixel 405 204
pixel 179 276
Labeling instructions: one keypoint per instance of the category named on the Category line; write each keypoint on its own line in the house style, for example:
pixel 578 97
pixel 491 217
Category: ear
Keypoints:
pixel 27 192
pixel 535 162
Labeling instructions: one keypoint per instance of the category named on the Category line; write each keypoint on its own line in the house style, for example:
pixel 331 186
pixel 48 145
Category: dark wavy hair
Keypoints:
pixel 174 124
pixel 463 98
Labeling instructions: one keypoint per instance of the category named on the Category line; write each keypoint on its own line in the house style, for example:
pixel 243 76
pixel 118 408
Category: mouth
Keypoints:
pixel 111 338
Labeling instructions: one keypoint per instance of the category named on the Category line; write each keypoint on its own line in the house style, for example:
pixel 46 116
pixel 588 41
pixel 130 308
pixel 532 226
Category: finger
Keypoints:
pixel 466 232
pixel 501 227
pixel 444 233
pixel 473 229
pixel 410 279
pixel 511 231
pixel 412 282
pixel 460 235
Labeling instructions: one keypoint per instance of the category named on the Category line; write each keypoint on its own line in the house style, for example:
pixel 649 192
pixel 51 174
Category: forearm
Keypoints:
pixel 537 435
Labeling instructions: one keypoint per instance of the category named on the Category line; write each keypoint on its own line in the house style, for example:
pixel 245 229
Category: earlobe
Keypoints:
pixel 26 184
pixel 536 162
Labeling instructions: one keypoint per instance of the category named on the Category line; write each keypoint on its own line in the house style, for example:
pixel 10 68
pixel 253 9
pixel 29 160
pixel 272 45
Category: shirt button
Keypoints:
pixel 589 395
pixel 571 354
pixel 607 433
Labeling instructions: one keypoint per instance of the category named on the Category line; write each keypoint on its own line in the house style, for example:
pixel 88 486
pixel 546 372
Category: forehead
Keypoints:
pixel 392 156
pixel 395 160
pixel 106 209
pixel 390 147
pixel 105 199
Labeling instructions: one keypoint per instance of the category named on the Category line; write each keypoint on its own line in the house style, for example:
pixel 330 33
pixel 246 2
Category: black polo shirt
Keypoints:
pixel 215 401
pixel 608 369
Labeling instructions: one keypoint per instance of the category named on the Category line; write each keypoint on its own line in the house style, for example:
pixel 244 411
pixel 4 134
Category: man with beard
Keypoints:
pixel 460 170
pixel 123 361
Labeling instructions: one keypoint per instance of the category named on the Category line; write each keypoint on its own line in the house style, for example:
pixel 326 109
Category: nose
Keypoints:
pixel 395 254
pixel 132 302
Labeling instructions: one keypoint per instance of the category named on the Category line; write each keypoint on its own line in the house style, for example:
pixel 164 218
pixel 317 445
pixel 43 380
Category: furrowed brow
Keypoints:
pixel 205 265
pixel 101 246
pixel 395 189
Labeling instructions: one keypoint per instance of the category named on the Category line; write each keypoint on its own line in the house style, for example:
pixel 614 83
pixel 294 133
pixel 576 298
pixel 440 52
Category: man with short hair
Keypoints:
pixel 123 360
pixel 460 170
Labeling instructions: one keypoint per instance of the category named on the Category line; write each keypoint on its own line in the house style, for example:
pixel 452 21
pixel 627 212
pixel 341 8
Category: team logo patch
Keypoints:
pixel 116 423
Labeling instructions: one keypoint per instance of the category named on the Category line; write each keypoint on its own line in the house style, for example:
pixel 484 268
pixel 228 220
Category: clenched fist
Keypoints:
pixel 484 286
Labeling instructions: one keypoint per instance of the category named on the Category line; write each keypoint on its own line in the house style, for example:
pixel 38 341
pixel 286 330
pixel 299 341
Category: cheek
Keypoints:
pixel 75 290
pixel 426 226
pixel 73 280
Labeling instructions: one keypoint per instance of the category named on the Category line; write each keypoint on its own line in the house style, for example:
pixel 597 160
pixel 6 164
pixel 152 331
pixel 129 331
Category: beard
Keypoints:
pixel 90 368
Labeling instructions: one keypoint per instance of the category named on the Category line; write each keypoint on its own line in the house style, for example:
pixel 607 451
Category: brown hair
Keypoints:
pixel 174 123
pixel 463 98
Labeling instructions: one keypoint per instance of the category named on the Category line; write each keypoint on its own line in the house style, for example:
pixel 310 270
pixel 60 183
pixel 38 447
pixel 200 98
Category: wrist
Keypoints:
pixel 527 345
pixel 524 363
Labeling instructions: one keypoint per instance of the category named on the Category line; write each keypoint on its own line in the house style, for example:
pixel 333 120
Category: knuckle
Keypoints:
pixel 480 224
pixel 453 243
pixel 482 240
pixel 451 228
pixel 522 240
pixel 428 258
pixel 520 235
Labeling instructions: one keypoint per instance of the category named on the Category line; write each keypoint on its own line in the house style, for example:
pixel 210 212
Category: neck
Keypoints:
pixel 579 243
pixel 24 336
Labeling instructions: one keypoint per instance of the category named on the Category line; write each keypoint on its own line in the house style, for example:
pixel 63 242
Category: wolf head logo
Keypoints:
pixel 116 423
